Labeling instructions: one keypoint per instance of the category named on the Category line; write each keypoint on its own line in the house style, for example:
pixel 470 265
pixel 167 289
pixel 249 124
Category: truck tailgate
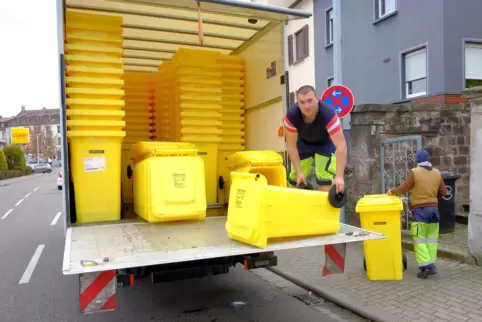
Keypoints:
pixel 105 247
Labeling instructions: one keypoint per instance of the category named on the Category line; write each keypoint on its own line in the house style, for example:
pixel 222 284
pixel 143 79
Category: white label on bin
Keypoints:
pixel 448 196
pixel 92 164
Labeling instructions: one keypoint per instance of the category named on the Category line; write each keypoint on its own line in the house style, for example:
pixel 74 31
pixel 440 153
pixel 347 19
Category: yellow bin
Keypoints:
pixel 126 181
pixel 381 214
pixel 168 182
pixel 209 153
pixel 95 158
pixel 258 211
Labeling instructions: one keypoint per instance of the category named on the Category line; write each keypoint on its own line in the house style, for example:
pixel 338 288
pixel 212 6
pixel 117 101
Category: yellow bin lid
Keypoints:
pixel 379 203
pixel 146 149
pixel 93 112
pixel 96 134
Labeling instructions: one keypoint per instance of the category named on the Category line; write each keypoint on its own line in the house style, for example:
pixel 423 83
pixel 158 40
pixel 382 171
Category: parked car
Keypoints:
pixel 42 168
pixel 60 180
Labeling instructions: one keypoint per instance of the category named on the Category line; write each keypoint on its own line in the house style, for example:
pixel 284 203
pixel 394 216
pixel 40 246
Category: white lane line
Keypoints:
pixel 36 189
pixel 31 266
pixel 56 218
pixel 19 202
pixel 28 194
pixel 7 213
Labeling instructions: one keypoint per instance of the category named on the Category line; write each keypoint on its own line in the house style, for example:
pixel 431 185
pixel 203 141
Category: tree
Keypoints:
pixel 3 161
pixel 15 157
pixel 48 144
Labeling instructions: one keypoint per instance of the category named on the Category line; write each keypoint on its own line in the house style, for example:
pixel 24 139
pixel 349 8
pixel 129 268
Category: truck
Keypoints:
pixel 109 255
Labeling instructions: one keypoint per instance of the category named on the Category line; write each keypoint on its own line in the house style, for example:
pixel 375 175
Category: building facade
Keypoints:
pixel 43 123
pixel 397 51
pixel 3 130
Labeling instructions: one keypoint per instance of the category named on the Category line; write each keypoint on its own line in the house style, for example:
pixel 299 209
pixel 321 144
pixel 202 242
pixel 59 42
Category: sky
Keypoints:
pixel 29 71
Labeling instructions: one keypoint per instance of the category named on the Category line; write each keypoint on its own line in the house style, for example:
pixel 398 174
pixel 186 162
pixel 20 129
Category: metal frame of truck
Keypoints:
pixel 110 255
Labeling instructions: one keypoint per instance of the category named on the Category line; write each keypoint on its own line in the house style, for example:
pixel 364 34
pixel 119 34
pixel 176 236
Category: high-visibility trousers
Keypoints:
pixel 425 234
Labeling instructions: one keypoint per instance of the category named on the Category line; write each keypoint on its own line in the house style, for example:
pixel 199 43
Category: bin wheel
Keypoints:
pixel 404 262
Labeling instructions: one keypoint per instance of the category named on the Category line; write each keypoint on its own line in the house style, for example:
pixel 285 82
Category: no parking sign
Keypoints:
pixel 341 98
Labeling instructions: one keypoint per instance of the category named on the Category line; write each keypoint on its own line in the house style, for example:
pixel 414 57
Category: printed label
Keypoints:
pixel 93 164
pixel 179 180
pixel 240 195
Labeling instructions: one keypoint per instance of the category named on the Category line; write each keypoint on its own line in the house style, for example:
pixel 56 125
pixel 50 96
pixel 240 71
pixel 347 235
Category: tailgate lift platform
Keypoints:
pixel 117 246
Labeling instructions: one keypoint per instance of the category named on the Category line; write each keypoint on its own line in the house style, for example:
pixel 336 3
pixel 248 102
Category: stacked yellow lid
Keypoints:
pixel 197 100
pixel 164 107
pixel 94 75
pixel 140 105
pixel 233 135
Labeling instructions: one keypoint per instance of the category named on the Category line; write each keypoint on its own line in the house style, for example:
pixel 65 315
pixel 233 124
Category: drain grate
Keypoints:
pixel 308 299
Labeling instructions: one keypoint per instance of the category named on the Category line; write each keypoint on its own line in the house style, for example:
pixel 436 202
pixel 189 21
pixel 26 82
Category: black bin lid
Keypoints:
pixel 447 175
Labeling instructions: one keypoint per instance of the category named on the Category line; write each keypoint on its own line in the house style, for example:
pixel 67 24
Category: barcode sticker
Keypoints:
pixel 93 164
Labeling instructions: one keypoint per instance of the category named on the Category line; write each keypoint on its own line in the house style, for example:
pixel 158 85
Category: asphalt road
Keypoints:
pixel 33 288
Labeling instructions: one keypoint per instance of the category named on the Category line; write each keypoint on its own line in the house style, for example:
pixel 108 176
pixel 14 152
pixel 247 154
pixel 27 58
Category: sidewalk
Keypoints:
pixel 7 182
pixel 453 295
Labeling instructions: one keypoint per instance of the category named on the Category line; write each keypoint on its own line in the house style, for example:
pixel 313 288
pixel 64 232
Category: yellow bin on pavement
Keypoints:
pixel 95 157
pixel 381 214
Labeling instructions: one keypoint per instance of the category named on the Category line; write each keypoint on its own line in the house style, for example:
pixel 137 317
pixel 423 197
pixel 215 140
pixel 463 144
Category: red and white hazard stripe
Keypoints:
pixel 97 291
pixel 334 259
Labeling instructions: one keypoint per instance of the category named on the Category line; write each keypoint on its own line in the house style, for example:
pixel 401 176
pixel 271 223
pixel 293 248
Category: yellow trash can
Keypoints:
pixel 95 158
pixel 258 211
pixel 381 214
pixel 168 182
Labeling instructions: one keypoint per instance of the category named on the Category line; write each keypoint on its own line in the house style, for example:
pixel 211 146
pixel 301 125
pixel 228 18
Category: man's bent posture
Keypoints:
pixel 313 131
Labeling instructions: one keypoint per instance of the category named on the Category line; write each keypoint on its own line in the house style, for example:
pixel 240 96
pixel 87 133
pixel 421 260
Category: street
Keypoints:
pixel 33 288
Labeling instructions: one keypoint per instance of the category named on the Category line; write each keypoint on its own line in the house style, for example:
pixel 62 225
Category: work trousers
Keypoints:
pixel 425 234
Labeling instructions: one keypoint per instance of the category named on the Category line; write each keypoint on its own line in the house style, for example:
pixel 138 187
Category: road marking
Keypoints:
pixel 7 213
pixel 31 266
pixel 56 218
pixel 36 189
pixel 19 202
pixel 28 194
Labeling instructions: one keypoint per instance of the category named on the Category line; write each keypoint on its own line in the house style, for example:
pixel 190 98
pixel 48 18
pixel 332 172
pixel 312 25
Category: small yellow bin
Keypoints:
pixel 95 158
pixel 258 211
pixel 381 214
pixel 168 182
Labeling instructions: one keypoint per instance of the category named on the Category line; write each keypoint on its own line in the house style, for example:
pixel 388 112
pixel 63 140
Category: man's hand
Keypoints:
pixel 339 184
pixel 300 178
pixel 389 192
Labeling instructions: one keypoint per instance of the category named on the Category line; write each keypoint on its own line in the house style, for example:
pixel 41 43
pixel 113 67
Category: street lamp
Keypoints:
pixel 38 147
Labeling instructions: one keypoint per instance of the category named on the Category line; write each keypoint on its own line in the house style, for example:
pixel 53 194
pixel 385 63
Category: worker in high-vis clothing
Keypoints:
pixel 426 186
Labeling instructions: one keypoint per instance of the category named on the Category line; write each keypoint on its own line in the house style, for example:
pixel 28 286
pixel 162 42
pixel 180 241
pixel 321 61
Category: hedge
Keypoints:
pixel 8 174
pixel 15 157
pixel 3 161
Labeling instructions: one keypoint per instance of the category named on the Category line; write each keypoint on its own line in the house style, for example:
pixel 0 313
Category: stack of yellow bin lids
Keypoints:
pixel 164 108
pixel 140 101
pixel 94 90
pixel 197 105
pixel 233 127
pixel 233 135
pixel 140 122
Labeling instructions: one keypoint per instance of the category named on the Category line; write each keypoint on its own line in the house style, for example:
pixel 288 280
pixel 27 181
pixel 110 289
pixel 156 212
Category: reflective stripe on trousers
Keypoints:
pixel 425 242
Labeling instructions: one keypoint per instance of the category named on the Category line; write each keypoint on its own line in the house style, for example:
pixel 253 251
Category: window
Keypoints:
pixel 473 65
pixel 292 99
pixel 329 26
pixel 415 76
pixel 384 8
pixel 298 46
pixel 330 81
pixel 58 128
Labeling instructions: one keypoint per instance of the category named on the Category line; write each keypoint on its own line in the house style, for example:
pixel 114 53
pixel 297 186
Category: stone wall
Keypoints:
pixel 445 131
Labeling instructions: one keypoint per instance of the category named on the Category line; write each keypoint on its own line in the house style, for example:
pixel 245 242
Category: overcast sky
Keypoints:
pixel 29 73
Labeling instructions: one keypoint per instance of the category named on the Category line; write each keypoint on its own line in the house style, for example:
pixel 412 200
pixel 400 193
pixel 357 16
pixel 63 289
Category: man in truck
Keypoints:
pixel 313 131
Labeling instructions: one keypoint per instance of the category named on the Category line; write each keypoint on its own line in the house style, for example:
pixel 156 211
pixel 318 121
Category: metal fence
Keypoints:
pixel 397 157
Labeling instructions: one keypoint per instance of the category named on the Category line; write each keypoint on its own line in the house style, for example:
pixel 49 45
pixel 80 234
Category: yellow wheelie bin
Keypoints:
pixel 383 257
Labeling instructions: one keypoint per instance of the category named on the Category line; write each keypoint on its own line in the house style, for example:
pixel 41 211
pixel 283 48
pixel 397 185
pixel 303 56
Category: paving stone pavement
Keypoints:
pixel 453 295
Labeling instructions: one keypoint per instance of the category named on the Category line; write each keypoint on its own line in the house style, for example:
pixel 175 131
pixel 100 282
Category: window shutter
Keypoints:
pixel 306 41
pixel 290 50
